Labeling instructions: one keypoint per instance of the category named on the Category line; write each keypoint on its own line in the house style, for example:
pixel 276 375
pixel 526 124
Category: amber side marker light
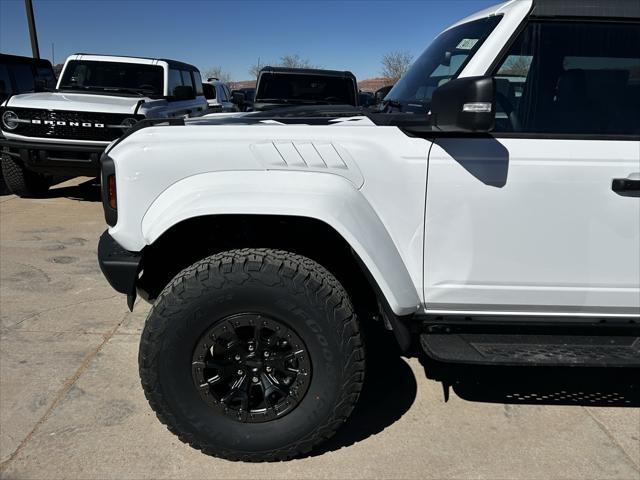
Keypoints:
pixel 112 196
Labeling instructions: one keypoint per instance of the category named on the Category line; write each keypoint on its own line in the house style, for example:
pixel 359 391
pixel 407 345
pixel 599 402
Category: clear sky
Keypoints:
pixel 344 35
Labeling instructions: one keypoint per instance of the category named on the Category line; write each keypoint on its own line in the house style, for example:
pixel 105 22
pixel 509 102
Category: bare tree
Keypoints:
pixel 217 72
pixel 516 66
pixel 287 61
pixel 295 61
pixel 395 64
pixel 254 70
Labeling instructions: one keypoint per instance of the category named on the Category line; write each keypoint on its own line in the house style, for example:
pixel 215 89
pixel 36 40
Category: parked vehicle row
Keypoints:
pixel 97 98
pixel 64 130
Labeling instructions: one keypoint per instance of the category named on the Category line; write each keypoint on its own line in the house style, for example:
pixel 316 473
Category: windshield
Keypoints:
pixel 121 78
pixel 438 64
pixel 294 88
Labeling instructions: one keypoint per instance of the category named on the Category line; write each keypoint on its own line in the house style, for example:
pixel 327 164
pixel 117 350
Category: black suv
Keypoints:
pixel 278 87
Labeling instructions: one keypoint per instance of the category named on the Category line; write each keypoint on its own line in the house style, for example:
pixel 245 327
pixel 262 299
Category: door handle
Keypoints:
pixel 629 186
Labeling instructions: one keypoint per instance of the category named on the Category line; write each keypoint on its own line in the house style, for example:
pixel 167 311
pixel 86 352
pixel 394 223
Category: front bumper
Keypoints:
pixel 120 267
pixel 55 158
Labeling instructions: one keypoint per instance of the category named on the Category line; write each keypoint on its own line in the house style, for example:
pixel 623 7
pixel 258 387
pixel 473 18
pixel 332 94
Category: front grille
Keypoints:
pixel 58 124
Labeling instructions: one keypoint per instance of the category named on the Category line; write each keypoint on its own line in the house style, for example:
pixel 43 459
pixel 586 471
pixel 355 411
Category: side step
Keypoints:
pixel 534 350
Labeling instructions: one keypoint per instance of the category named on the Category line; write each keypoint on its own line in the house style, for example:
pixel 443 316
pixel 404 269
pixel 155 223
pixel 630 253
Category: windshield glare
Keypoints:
pixel 439 63
pixel 122 78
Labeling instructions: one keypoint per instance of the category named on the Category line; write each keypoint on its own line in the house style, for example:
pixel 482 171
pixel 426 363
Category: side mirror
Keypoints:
pixel 465 105
pixel 238 98
pixel 184 92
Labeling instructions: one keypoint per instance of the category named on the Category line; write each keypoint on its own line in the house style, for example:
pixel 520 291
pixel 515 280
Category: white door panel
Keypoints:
pixel 530 224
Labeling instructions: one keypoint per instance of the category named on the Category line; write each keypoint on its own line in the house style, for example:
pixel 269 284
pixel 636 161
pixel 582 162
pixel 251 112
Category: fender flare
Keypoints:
pixel 326 197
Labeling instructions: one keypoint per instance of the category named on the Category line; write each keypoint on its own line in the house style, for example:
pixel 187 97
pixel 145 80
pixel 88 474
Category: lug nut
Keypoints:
pixel 266 354
pixel 255 380
pixel 237 357
pixel 240 372
pixel 251 348
pixel 268 369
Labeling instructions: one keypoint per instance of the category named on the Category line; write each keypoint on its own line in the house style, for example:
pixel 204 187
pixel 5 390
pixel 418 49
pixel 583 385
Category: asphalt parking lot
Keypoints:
pixel 71 405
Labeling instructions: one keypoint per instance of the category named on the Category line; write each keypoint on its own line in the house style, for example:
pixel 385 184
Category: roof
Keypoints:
pixel 587 8
pixel 309 71
pixel 5 58
pixel 172 63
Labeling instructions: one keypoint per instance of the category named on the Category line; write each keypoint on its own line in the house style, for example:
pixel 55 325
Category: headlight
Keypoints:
pixel 128 123
pixel 10 120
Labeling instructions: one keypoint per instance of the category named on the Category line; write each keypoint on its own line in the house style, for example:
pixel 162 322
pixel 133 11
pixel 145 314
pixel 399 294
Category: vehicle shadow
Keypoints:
pixel 389 391
pixel 603 387
pixel 88 191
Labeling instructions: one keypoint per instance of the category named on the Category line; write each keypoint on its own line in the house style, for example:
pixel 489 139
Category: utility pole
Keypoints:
pixel 32 29
pixel 53 53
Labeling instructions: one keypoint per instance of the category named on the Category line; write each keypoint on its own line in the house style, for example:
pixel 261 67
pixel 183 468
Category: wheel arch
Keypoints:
pixel 251 208
pixel 307 236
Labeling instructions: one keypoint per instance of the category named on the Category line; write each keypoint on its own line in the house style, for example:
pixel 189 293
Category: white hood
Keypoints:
pixel 77 102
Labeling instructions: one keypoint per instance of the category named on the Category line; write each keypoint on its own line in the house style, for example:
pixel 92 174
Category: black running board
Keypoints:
pixel 533 350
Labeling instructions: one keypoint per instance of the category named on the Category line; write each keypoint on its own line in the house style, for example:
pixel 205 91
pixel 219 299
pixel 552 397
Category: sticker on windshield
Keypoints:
pixel 467 43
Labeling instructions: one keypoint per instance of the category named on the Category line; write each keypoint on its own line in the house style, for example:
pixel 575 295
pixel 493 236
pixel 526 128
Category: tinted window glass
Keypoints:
pixel 117 77
pixel 209 91
pixel 198 80
pixel 23 76
pixel 571 78
pixel 226 93
pixel 175 80
pixel 301 88
pixel 439 63
pixel 186 78
pixel 46 77
pixel 249 93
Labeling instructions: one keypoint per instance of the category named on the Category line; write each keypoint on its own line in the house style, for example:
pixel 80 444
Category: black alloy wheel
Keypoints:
pixel 251 367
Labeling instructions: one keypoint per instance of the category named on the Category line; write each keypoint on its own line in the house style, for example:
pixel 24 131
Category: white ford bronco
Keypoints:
pixel 96 100
pixel 490 214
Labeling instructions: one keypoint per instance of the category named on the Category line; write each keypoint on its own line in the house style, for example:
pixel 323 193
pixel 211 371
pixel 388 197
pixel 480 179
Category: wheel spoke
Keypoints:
pixel 297 353
pixel 270 385
pixel 256 336
pixel 214 380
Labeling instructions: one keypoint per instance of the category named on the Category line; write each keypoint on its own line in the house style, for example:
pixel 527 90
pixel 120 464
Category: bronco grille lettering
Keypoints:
pixel 64 123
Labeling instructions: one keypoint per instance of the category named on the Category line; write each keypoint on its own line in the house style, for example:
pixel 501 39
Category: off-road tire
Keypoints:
pixel 22 182
pixel 277 283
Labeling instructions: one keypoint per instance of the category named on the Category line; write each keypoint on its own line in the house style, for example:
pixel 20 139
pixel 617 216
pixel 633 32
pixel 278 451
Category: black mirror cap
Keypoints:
pixel 465 105
pixel 184 92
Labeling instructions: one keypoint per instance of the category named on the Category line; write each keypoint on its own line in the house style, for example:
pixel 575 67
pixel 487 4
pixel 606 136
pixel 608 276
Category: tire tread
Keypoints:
pixel 270 267
pixel 20 181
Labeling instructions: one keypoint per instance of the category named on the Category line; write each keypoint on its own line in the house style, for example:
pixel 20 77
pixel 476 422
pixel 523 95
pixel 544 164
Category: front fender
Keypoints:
pixel 322 196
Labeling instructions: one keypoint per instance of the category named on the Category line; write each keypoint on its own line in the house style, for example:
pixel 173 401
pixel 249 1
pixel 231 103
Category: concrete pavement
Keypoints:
pixel 71 405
